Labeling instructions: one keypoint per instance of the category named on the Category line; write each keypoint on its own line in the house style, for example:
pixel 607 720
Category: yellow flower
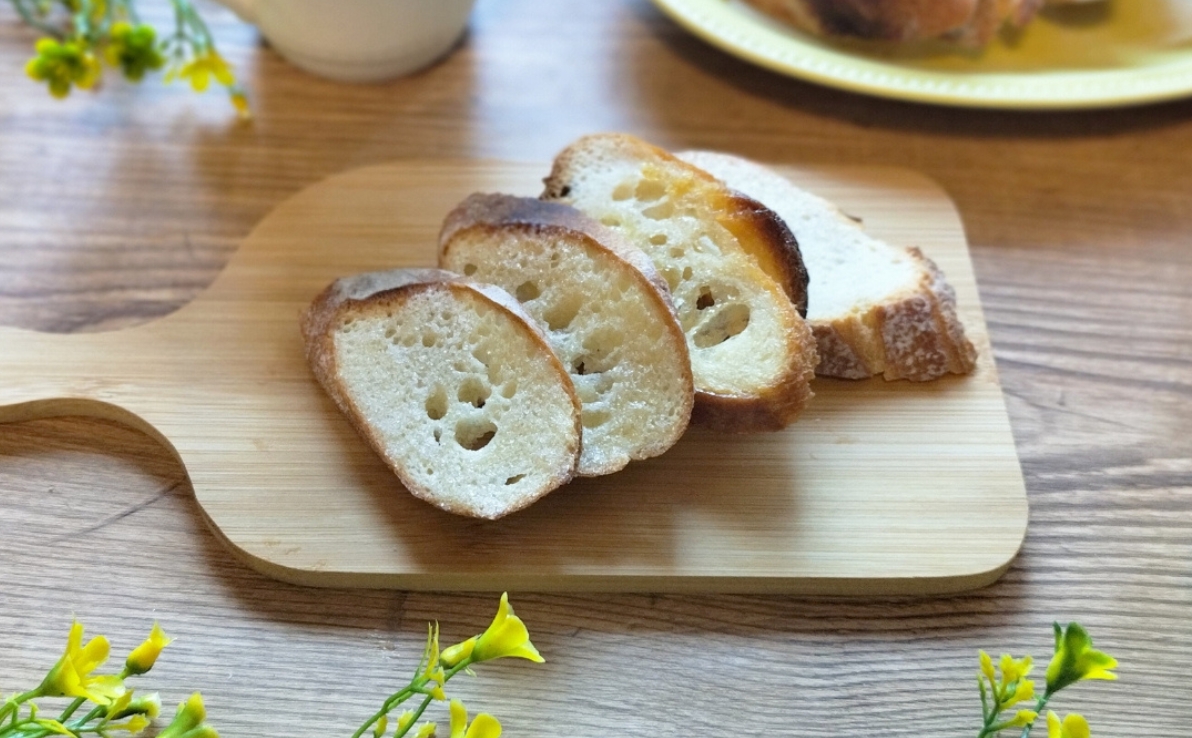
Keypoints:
pixel 404 720
pixel 1075 659
pixel 62 65
pixel 188 719
pixel 133 725
pixel 987 667
pixel 202 68
pixel 120 705
pixel 144 656
pixel 457 653
pixel 149 705
pixel 133 49
pixel 484 726
pixel 1023 692
pixel 71 676
pixel 1022 718
pixel 434 673
pixel 506 636
pixel 1015 669
pixel 426 730
pixel 240 102
pixel 382 726
pixel 1073 726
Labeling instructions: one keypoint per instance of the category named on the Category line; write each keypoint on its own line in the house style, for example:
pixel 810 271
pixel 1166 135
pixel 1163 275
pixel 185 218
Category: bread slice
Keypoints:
pixel 732 267
pixel 967 22
pixel 892 20
pixel 450 383
pixel 603 306
pixel 875 308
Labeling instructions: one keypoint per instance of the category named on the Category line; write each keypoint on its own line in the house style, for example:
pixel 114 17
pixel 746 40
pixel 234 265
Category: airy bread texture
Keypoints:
pixel 602 305
pixel 967 22
pixel 451 384
pixel 875 308
pixel 732 266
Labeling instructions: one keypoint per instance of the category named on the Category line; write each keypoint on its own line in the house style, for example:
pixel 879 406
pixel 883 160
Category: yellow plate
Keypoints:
pixel 1121 52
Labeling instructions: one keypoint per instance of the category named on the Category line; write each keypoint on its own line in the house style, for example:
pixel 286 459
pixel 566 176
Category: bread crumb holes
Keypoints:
pixel 474 434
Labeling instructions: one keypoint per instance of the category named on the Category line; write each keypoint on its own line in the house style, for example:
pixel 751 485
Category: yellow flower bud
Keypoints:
pixel 189 716
pixel 149 705
pixel 117 708
pixel 134 725
pixel 382 726
pixel 144 656
pixel 987 668
pixel 506 636
pixel 455 654
pixel 404 720
pixel 240 102
pixel 426 730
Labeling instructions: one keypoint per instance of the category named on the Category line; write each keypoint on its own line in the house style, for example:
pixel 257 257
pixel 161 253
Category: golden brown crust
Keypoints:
pixel 967 22
pixel 493 212
pixel 918 337
pixel 762 234
pixel 765 237
pixel 497 210
pixel 771 408
pixel 891 20
pixel 350 296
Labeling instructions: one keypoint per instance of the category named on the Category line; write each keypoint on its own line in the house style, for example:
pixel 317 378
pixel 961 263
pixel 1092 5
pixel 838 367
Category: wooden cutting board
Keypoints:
pixel 880 488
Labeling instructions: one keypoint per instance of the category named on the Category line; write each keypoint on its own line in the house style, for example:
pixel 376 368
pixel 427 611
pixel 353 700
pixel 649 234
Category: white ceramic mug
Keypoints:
pixel 358 40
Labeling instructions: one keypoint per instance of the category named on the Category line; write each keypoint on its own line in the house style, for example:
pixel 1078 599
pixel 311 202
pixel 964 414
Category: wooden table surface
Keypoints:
pixel 119 207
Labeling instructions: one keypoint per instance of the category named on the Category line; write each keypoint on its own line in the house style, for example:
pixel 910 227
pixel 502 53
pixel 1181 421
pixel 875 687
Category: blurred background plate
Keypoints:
pixel 1122 52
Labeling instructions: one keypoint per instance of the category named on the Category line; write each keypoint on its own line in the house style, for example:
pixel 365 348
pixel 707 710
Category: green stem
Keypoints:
pixel 78 724
pixel 991 715
pixel 13 704
pixel 185 16
pixel 394 700
pixel 70 709
pixel 82 20
pixel 417 714
pixel 29 18
pixel 415 687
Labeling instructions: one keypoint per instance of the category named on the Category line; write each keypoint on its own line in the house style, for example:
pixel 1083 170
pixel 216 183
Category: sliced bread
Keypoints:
pixel 875 308
pixel 603 306
pixel 450 383
pixel 967 22
pixel 732 267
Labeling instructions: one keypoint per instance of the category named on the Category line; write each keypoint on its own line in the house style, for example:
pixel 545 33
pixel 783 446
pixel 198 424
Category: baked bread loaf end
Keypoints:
pixel 450 383
pixel 602 305
pixel 971 23
pixel 875 308
pixel 733 269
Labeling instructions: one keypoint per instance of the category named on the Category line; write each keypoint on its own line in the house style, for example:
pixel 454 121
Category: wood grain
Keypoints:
pixel 880 488
pixel 118 208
